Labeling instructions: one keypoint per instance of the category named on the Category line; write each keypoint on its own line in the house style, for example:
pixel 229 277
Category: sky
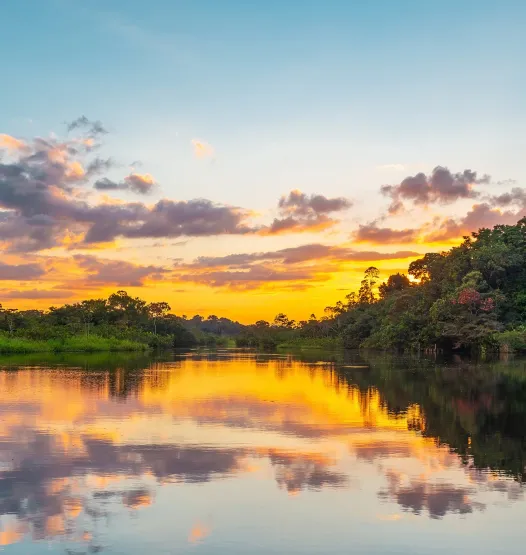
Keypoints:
pixel 249 158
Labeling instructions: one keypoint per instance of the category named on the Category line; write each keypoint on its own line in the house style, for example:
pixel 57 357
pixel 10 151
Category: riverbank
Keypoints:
pixel 312 343
pixel 75 344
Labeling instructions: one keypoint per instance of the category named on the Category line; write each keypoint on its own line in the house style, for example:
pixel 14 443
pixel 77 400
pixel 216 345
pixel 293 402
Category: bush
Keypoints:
pixel 512 340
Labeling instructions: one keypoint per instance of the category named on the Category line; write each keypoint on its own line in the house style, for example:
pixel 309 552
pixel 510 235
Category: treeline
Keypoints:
pixel 472 297
pixel 120 321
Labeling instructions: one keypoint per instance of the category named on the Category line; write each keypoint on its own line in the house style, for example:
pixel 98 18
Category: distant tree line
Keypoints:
pixel 119 316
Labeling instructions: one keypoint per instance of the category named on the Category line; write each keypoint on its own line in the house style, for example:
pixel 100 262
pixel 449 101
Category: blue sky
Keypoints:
pixel 330 97
pixel 296 93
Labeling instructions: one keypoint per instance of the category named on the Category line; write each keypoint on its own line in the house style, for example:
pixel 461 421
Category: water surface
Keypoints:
pixel 236 453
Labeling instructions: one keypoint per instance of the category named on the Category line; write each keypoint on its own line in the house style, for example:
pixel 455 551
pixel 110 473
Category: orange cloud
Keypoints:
pixel 75 170
pixel 55 525
pixel 12 533
pixel 144 178
pixel 202 149
pixel 137 499
pixel 10 143
pixel 480 215
pixel 198 532
pixel 72 508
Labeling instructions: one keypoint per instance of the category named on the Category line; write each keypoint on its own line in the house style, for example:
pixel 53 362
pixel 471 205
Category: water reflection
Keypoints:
pixel 90 442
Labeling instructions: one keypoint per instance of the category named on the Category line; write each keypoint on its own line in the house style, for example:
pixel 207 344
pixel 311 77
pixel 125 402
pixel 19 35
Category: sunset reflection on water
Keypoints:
pixel 219 453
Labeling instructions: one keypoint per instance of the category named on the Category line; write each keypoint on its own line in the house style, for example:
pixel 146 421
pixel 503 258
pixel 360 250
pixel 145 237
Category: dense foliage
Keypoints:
pixel 120 322
pixel 471 297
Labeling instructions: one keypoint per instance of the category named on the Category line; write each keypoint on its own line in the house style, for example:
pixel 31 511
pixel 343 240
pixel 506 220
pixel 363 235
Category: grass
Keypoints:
pixel 91 344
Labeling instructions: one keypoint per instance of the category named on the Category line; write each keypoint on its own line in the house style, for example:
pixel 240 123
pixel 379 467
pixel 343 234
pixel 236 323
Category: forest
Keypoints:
pixel 470 298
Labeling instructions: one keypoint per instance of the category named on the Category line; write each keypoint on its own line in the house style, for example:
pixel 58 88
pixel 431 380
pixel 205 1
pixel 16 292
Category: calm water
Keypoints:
pixel 236 453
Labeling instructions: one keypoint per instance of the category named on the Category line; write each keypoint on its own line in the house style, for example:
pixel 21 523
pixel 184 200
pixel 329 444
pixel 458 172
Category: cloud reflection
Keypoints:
pixel 77 446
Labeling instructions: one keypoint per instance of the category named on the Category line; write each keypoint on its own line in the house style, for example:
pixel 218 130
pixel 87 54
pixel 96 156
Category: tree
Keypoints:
pixel 126 310
pixel 427 268
pixel 92 311
pixel 394 283
pixel 10 316
pixel 366 293
pixel 282 321
pixel 157 310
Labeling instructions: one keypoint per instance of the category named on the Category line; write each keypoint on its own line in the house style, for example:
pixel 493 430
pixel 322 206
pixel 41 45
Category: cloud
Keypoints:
pixel 300 212
pixel 442 186
pixel 47 473
pixel 516 197
pixel 117 272
pixel 135 182
pixel 480 216
pixel 297 255
pixel 99 165
pixel 291 268
pixel 20 272
pixel 299 471
pixel 437 499
pixel 136 498
pixel 202 149
pixel 167 218
pixel 93 128
pixel 371 233
pixel 372 450
pixel 299 204
pixel 506 182
pixel 297 225
pixel 10 143
pixel 253 277
pixel 44 197
pixel 33 294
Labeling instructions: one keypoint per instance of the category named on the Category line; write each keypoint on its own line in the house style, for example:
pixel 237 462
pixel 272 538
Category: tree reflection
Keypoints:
pixel 477 409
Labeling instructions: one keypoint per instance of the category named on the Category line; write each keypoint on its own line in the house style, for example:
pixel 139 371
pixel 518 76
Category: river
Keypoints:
pixel 233 452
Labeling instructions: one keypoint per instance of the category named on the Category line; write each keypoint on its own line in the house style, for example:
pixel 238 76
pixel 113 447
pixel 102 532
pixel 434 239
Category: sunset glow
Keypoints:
pixel 219 207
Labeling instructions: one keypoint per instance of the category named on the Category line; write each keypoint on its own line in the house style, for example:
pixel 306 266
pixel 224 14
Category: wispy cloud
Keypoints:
pixel 296 267
pixel 36 294
pixel 135 182
pixel 202 149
